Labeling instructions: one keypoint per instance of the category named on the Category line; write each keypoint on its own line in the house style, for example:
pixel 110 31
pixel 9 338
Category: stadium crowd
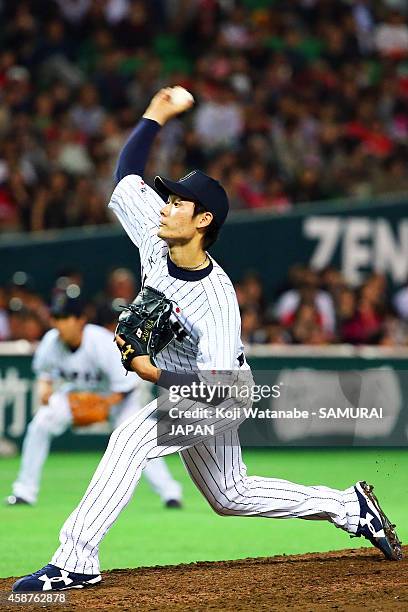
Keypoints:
pixel 312 309
pixel 298 100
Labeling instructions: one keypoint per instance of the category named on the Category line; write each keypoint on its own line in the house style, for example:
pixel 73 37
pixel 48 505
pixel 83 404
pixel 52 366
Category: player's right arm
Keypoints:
pixel 136 205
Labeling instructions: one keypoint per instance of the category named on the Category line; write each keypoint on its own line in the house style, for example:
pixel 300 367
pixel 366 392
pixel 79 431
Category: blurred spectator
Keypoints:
pixel 121 285
pixel 364 22
pixel 395 332
pixel 366 324
pixel 87 114
pixel 4 319
pixel 332 281
pixel 400 302
pixel 391 36
pixel 252 331
pixel 345 308
pixel 218 122
pixel 50 206
pixel 72 154
pixel 275 333
pixel 306 326
pixel 305 290
pixel 250 292
pixel 74 11
pixel 120 290
pixel 22 310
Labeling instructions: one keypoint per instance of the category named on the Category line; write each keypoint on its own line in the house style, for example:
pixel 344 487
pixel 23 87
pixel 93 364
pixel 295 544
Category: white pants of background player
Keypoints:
pixel 216 468
pixel 53 420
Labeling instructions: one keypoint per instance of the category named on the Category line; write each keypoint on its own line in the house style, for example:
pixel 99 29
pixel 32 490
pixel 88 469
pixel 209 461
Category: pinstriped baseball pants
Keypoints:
pixel 215 466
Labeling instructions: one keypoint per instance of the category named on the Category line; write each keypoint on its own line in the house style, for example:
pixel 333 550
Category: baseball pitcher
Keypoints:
pixel 186 291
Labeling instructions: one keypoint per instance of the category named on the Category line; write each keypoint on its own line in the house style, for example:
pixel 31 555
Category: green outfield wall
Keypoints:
pixel 309 380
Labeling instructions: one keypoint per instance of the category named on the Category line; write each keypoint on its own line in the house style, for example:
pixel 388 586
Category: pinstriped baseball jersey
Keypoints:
pixel 205 303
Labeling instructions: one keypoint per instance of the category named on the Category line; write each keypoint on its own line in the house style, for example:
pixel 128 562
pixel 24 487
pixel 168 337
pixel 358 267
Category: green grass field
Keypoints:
pixel 147 534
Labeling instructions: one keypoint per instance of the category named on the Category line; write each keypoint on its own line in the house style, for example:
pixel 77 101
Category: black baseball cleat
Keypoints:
pixel 174 503
pixel 374 525
pixel 14 500
pixel 53 578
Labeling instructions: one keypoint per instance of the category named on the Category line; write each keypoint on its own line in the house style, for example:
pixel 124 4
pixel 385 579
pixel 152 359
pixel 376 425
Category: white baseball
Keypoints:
pixel 181 96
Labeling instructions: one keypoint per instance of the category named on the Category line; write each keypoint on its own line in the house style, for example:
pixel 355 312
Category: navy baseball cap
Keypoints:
pixel 64 306
pixel 197 187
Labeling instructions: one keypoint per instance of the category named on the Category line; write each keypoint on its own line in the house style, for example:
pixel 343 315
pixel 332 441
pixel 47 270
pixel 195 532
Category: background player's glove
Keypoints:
pixel 88 407
pixel 145 326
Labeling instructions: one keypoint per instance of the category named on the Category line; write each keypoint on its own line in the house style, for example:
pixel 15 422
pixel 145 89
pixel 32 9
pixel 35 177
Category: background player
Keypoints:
pixel 172 239
pixel 76 356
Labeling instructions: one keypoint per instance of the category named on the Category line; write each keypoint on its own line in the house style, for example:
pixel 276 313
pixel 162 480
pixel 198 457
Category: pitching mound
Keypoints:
pixel 341 580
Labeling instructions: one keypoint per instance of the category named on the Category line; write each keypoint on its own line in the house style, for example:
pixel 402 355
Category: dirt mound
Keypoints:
pixel 340 580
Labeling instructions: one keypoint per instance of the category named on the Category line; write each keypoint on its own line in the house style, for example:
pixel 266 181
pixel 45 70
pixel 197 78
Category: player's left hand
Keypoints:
pixel 143 331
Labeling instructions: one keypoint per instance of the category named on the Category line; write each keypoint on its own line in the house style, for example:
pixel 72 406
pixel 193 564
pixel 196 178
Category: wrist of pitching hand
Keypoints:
pixel 155 115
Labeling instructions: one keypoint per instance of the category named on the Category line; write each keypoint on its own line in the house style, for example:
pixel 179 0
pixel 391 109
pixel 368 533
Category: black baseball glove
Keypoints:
pixel 145 326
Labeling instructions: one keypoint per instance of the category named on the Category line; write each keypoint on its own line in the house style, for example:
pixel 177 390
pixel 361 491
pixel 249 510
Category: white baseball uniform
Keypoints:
pixel 94 366
pixel 207 310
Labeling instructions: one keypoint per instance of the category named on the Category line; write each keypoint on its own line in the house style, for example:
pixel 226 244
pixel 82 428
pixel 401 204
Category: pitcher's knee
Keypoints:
pixel 119 435
pixel 224 507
